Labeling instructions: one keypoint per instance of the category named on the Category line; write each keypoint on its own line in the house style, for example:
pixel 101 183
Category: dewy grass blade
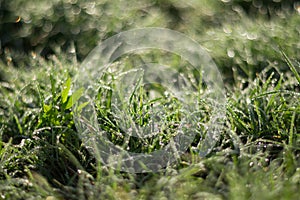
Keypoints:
pixel 291 66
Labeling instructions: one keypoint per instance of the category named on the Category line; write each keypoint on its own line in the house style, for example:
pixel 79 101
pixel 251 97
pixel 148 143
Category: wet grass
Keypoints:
pixel 257 156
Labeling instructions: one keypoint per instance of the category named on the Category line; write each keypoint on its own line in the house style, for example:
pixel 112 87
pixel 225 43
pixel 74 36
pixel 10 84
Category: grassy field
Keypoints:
pixel 255 45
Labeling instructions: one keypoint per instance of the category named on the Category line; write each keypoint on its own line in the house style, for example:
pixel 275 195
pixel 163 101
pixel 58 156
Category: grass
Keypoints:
pixel 256 48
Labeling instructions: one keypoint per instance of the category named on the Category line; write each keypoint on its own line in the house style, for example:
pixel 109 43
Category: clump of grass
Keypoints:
pixel 257 155
pixel 263 115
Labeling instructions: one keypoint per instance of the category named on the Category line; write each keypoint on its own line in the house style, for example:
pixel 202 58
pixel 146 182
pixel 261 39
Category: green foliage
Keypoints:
pixel 77 26
pixel 255 45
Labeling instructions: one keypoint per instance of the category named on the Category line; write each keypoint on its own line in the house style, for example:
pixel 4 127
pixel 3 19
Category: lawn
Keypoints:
pixel 44 153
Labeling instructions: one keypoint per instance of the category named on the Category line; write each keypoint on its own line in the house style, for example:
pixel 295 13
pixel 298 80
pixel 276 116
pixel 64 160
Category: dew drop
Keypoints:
pixel 230 53
pixel 251 164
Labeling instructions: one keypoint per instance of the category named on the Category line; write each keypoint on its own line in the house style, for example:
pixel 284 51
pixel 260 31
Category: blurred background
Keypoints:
pixel 237 33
